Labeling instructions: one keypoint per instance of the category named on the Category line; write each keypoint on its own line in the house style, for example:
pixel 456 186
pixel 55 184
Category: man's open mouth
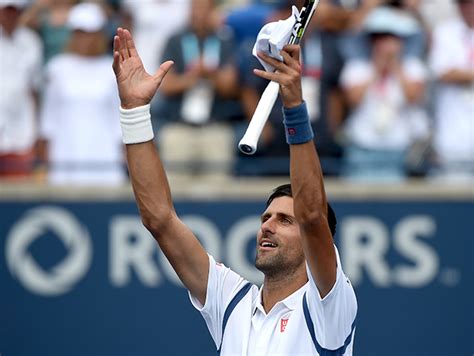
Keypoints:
pixel 267 244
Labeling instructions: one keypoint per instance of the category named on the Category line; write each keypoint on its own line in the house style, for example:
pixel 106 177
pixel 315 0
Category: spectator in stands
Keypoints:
pixel 20 69
pixel 342 39
pixel 334 19
pixel 48 18
pixel 197 91
pixel 78 106
pixel 452 62
pixel 386 95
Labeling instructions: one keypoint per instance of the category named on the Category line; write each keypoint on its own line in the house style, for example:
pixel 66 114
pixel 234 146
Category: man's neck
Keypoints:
pixel 276 289
pixel 202 32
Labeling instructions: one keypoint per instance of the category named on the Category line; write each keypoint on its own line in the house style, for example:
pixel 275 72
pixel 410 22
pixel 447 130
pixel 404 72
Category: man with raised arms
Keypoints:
pixel 306 305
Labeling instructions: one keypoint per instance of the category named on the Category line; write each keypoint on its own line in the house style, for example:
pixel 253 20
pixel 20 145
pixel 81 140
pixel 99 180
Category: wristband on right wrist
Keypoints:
pixel 297 126
pixel 136 125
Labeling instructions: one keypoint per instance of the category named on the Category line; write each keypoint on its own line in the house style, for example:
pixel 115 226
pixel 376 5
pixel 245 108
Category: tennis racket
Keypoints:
pixel 248 143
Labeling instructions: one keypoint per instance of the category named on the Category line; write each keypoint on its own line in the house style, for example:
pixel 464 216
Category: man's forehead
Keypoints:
pixel 283 204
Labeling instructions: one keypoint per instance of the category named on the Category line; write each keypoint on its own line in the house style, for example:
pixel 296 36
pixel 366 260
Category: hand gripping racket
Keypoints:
pixel 248 143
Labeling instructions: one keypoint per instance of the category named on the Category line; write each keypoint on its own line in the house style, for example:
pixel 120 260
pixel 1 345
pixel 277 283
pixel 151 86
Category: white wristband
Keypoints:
pixel 136 124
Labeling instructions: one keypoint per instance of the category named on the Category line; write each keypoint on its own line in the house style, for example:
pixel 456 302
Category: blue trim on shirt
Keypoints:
pixel 233 303
pixel 321 350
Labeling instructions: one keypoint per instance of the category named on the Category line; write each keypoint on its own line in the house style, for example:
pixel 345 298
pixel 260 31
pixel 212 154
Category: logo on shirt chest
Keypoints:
pixel 283 323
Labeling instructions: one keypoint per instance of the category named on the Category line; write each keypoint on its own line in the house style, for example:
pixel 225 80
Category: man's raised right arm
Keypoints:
pixel 150 185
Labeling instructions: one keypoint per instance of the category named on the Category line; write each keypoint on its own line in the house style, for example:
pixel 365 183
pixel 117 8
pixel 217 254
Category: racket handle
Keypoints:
pixel 248 143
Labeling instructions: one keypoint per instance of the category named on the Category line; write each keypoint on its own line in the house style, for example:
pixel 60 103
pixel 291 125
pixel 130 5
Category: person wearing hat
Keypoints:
pixel 452 63
pixel 78 98
pixel 385 94
pixel 20 69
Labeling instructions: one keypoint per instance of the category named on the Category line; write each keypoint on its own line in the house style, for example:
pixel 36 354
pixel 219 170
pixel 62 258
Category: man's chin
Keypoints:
pixel 265 265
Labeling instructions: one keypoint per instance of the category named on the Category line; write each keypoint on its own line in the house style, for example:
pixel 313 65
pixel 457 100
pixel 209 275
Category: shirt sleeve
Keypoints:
pixel 222 285
pixel 356 72
pixel 334 315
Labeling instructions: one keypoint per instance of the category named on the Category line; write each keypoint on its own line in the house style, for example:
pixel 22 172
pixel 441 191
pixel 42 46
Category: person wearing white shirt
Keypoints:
pixel 386 95
pixel 20 74
pixel 253 328
pixel 78 107
pixel 306 304
pixel 452 62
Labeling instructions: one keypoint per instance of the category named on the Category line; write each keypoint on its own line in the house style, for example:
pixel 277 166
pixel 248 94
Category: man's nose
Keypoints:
pixel 268 226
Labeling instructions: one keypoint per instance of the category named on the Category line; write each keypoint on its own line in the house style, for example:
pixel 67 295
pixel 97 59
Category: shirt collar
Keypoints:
pixel 291 302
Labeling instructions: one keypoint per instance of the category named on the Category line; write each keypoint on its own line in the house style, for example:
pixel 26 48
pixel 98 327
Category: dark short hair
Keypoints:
pixel 284 190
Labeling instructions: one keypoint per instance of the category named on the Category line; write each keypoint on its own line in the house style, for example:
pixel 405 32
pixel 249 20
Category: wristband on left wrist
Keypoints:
pixel 298 128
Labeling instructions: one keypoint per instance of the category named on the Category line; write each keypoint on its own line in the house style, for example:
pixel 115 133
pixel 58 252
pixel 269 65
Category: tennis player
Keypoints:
pixel 306 305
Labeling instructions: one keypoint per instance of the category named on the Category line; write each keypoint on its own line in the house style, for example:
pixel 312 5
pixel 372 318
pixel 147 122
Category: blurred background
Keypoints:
pixel 389 85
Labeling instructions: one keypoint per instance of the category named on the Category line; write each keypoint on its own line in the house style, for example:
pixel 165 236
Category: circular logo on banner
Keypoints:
pixel 62 277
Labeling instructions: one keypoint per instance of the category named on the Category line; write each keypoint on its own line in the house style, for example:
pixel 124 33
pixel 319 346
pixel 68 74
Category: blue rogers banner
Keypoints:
pixel 86 278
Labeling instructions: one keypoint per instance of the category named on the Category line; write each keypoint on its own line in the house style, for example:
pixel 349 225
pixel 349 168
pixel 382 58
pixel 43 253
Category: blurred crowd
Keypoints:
pixel 389 86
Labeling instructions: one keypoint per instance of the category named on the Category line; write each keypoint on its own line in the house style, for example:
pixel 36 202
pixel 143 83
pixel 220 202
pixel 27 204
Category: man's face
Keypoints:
pixel 201 11
pixel 279 246
pixel 387 46
pixel 9 17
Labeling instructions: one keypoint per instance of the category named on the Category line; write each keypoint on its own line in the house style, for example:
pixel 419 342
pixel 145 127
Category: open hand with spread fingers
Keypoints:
pixel 136 87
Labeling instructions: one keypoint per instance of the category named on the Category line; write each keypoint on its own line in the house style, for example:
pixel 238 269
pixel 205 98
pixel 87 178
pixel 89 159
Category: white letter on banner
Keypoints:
pixel 423 256
pixel 365 242
pixel 237 239
pixel 206 232
pixel 126 253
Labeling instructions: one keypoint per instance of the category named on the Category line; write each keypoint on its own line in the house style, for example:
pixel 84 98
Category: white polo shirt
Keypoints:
pixel 384 119
pixel 79 120
pixel 285 330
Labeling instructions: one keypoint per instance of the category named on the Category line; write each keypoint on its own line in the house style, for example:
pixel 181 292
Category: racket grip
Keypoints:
pixel 248 143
